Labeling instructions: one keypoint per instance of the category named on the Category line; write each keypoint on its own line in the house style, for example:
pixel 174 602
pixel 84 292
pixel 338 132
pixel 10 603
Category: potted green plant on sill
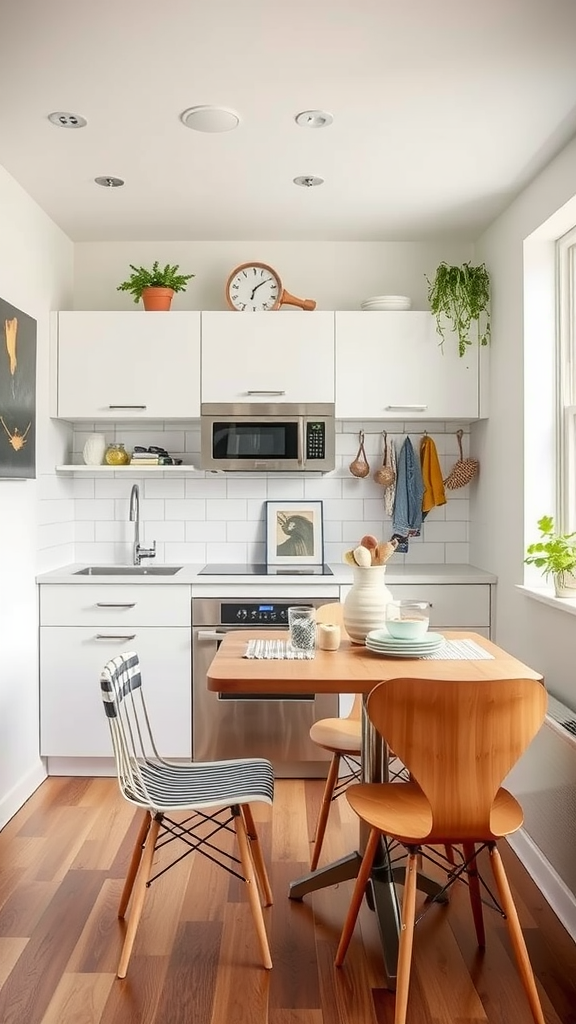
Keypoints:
pixel 155 287
pixel 459 296
pixel 555 554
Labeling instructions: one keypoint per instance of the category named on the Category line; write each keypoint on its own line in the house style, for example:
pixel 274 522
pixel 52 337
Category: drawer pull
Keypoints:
pixel 269 392
pixel 416 408
pixel 115 636
pixel 127 407
pixel 114 604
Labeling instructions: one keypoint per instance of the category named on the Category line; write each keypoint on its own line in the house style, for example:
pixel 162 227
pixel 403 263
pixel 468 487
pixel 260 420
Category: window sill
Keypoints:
pixel 546 596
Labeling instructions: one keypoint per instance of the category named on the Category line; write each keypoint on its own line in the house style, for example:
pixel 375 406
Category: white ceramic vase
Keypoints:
pixel 93 451
pixel 365 605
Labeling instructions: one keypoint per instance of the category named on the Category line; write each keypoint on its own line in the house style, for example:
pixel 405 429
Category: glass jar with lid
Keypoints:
pixel 116 455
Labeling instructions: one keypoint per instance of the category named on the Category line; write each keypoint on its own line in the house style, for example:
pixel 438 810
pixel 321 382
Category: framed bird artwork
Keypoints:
pixel 294 533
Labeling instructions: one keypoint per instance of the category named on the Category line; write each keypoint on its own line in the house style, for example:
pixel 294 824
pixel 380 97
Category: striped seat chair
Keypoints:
pixel 198 803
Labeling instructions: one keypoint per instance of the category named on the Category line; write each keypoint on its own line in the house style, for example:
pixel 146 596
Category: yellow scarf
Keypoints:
pixel 431 475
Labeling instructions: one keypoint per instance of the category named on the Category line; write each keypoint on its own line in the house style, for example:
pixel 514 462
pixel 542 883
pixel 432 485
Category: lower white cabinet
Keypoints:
pixel 465 606
pixel 73 722
pixel 88 626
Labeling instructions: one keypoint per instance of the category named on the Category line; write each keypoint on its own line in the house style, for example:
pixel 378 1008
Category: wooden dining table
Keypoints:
pixel 354 669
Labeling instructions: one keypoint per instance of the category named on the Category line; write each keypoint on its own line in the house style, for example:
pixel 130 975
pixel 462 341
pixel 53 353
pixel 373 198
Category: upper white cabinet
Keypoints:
pixel 390 366
pixel 273 356
pixel 122 365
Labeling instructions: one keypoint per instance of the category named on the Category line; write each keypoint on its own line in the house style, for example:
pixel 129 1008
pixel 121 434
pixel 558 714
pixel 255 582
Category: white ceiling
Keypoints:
pixel 443 110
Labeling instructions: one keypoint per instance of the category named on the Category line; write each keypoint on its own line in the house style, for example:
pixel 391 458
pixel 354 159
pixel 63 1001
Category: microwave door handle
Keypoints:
pixel 301 452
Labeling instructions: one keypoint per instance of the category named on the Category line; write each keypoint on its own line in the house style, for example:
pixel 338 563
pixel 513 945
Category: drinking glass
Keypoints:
pixel 302 626
pixel 407 620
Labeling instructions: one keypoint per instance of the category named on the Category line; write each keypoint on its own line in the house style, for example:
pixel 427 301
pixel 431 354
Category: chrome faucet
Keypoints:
pixel 139 552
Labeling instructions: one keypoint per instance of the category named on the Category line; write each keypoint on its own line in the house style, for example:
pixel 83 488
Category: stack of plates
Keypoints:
pixel 380 641
pixel 397 302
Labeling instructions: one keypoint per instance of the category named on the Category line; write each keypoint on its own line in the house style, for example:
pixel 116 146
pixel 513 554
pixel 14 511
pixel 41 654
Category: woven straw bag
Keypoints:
pixel 462 471
pixel 359 467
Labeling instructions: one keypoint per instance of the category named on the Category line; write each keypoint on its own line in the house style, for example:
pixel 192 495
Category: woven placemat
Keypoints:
pixel 460 650
pixel 278 650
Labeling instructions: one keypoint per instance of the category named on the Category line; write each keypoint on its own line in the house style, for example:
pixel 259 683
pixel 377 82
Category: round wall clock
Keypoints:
pixel 253 287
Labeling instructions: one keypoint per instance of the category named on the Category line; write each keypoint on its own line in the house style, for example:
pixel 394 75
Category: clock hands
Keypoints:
pixel 259 285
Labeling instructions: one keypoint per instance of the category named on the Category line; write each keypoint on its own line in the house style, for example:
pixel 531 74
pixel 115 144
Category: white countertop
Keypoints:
pixel 189 575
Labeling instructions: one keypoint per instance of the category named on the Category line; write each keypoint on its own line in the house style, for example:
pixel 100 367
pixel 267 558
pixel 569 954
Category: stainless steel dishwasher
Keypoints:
pixel 248 725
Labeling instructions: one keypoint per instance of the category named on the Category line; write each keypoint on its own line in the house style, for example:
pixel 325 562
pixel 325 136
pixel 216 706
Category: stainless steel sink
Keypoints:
pixel 128 570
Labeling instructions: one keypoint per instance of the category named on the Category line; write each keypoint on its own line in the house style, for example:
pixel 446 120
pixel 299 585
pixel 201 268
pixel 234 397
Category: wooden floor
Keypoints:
pixel 196 960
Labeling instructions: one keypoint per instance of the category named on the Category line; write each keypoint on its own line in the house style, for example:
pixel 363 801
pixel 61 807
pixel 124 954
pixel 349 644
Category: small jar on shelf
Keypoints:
pixel 116 455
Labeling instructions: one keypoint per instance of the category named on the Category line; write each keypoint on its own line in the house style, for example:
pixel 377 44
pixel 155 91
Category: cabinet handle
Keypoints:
pixel 127 407
pixel 113 604
pixel 210 634
pixel 265 392
pixel 115 636
pixel 417 408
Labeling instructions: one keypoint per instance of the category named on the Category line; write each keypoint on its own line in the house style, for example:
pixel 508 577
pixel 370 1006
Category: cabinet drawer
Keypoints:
pixel 72 719
pixel 119 605
pixel 453 605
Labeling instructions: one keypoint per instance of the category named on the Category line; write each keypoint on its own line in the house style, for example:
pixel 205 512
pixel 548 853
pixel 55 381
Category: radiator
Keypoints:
pixel 544 781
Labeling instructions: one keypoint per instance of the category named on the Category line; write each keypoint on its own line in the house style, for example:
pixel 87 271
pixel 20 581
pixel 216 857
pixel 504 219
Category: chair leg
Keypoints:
pixel 449 853
pixel 139 894
pixel 357 895
pixel 325 810
pixel 516 936
pixel 134 863
pixel 252 888
pixel 406 939
pixel 474 892
pixel 258 859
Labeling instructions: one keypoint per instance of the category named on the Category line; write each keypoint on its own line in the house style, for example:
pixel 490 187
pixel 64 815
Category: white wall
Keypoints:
pixel 542 636
pixel 36 264
pixel 338 275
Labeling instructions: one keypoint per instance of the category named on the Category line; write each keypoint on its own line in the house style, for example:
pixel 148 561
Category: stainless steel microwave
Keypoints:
pixel 267 437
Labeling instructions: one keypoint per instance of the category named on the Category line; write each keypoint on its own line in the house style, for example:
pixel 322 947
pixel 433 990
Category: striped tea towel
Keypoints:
pixel 460 650
pixel 274 649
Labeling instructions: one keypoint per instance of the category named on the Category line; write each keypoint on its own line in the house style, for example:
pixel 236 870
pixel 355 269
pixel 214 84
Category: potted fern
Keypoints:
pixel 155 287
pixel 555 554
pixel 460 296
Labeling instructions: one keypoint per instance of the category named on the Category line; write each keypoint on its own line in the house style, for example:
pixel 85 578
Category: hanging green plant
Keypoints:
pixel 460 295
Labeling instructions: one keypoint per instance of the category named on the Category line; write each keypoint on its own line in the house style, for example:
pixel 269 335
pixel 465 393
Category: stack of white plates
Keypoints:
pixel 380 641
pixel 397 302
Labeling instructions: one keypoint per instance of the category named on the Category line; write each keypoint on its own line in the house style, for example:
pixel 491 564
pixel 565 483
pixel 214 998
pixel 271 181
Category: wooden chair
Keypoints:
pixel 342 737
pixel 209 798
pixel 459 740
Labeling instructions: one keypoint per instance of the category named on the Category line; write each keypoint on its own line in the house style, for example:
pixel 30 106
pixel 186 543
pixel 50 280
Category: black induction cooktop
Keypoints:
pixel 260 569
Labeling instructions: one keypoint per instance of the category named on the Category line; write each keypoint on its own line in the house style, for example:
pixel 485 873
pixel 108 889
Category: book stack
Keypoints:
pixel 152 456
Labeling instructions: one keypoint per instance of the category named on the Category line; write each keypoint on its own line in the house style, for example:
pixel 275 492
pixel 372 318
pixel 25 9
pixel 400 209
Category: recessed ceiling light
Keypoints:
pixel 63 120
pixel 308 180
pixel 210 119
pixel 107 181
pixel 313 118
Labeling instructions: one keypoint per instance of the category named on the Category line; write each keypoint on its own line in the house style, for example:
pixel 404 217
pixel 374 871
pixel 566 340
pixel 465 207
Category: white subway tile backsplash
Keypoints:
pixel 204 530
pixel 219 517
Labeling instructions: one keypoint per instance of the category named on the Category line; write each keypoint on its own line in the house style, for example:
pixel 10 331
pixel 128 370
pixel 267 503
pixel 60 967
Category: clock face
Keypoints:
pixel 253 287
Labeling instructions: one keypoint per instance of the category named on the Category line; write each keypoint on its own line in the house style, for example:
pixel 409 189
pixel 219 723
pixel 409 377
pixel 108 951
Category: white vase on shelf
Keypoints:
pixel 93 451
pixel 365 604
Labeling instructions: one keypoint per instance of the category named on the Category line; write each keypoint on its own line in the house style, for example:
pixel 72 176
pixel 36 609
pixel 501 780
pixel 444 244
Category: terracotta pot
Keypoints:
pixel 157 298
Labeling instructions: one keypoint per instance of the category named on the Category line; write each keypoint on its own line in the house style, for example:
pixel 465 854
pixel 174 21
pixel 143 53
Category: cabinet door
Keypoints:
pixel 72 718
pixel 128 365
pixel 390 366
pixel 274 356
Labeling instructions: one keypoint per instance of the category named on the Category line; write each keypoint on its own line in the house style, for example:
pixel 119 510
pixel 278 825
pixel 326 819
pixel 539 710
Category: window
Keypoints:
pixel 566 381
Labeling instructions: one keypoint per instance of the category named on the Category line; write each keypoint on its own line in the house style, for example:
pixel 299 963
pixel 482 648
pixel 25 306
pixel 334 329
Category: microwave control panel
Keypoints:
pixel 315 439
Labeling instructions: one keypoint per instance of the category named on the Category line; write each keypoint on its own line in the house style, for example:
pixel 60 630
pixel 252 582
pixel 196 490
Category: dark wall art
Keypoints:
pixel 17 392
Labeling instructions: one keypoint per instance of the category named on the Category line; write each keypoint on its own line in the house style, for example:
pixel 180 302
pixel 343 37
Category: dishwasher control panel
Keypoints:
pixel 257 613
